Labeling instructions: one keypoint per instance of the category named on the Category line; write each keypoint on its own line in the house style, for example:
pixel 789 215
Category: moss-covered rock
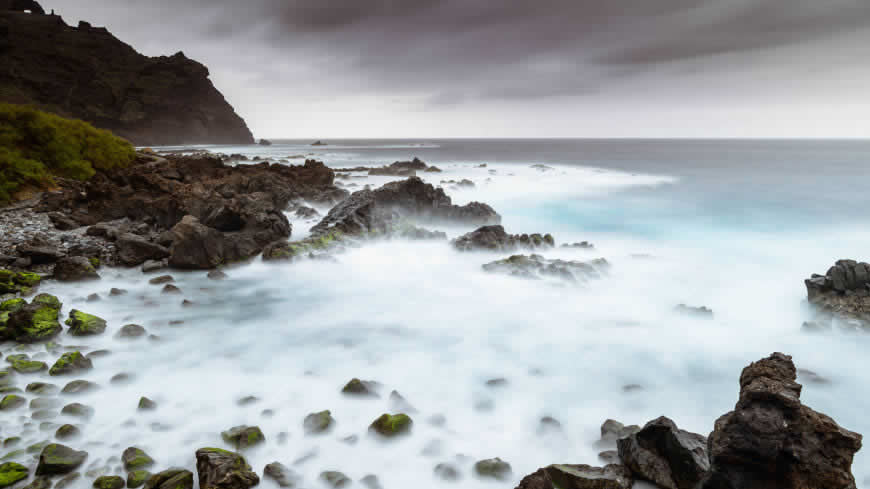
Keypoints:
pixel 68 480
pixel 218 468
pixel 493 468
pixel 41 482
pixel 361 388
pixel 174 478
pixel 18 282
pixel 335 479
pixel 280 474
pixel 12 305
pixel 243 436
pixel 136 459
pixel 137 478
pixel 12 401
pixel 109 482
pixel 84 324
pixel 390 425
pixel 41 388
pixel 35 322
pixel 320 422
pixel 78 387
pixel 28 366
pixel 146 404
pixel 11 472
pixel 66 432
pixel 78 410
pixel 70 363
pixel 57 459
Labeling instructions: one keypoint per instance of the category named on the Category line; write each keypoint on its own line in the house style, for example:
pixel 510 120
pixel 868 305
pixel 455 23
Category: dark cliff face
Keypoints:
pixel 87 73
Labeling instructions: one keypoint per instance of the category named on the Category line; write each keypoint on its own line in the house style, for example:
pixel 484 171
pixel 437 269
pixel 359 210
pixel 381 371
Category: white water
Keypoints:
pixel 427 321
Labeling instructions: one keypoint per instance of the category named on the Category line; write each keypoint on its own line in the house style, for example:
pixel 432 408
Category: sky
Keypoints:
pixel 518 68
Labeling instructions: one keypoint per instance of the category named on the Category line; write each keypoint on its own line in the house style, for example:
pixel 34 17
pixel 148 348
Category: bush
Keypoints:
pixel 35 146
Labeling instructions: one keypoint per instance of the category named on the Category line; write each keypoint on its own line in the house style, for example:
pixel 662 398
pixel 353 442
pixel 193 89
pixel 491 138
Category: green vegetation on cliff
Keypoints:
pixel 36 146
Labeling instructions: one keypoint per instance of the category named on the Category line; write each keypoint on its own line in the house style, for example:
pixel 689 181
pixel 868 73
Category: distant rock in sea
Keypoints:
pixel 95 77
pixel 843 291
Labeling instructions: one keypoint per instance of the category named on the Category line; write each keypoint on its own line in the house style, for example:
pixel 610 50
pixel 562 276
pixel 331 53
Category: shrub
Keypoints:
pixel 35 146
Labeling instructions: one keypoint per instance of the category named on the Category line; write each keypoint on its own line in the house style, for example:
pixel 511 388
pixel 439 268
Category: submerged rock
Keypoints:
pixel 537 267
pixel 84 324
pixel 563 476
pixel 79 387
pixel 109 482
pixel 447 472
pixel 361 388
pixel 137 478
pixel 316 423
pixel 57 459
pixel 335 479
pixel 612 430
pixel 136 459
pixel 131 331
pixel 493 468
pixel 772 440
pixel 34 322
pixel 281 475
pixel 495 238
pixel 666 455
pixel 222 469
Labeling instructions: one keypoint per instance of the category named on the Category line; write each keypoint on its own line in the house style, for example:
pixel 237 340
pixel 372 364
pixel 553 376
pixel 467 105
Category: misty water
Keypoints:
pixel 734 226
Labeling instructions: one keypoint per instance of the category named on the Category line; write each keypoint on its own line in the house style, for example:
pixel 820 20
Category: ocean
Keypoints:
pixel 731 225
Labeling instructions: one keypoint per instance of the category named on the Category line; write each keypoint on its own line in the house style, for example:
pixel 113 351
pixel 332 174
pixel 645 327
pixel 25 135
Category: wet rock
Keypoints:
pixel 44 403
pixel 666 455
pixel 57 459
pixel 582 245
pixel 248 400
pixel 222 469
pixel 134 250
pixel 121 378
pixel 78 410
pixel 390 425
pixel 174 478
pixel 75 268
pixel 378 211
pixel 26 365
pixel 11 472
pixel 447 472
pixel 66 432
pixel 371 481
pixel 137 478
pixel 170 289
pixel 609 457
pixel 34 322
pixel 537 267
pixel 110 482
pixel 115 292
pixel 154 265
pixel 498 382
pixel 216 275
pixel 495 238
pixel 84 324
pixel 131 331
pixel 243 436
pixel 146 404
pixel 79 387
pixel 578 477
pixel 361 388
pixel 335 479
pixel 18 282
pixel 401 169
pixel 493 468
pixel 41 388
pixel 135 458
pixel 40 254
pixel 71 363
pixel 843 291
pixel 93 297
pixel 163 279
pixel 316 423
pixel 281 475
pixel 11 402
pixel 196 246
pixel 629 388
pixel 698 312
pixel 772 440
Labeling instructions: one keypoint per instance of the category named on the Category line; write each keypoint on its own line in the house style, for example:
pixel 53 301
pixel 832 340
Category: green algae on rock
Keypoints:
pixel 109 482
pixel 493 468
pixel 33 323
pixel 173 478
pixel 335 479
pixel 361 388
pixel 218 468
pixel 84 324
pixel 316 423
pixel 71 362
pixel 135 459
pixel 391 425
pixel 57 459
pixel 11 472
pixel 243 436
pixel 78 387
pixel 137 478
pixel 18 282
pixel 27 366
pixel 67 431
pixel 12 401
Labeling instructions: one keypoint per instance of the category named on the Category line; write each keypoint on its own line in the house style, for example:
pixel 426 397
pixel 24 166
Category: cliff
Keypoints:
pixel 87 73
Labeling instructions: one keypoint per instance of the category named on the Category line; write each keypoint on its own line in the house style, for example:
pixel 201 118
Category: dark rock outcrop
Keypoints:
pixel 100 79
pixel 222 469
pixel 772 440
pixel 563 476
pixel 495 238
pixel 401 168
pixel 666 455
pixel 74 268
pixel 134 249
pixel 379 211
pixel 538 267
pixel 843 291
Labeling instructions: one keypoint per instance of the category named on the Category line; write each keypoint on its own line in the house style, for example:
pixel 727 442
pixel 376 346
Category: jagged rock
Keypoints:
pixel 281 475
pixel 401 169
pixel 135 250
pixel 75 268
pixel 578 477
pixel 843 291
pixel 11 472
pixel 537 267
pixel 57 459
pixel 174 478
pixel 772 440
pixel 666 455
pixel 612 430
pixel 195 245
pixel 146 404
pixel 494 468
pixel 83 324
pixel 222 469
pixel 495 238
pixel 379 211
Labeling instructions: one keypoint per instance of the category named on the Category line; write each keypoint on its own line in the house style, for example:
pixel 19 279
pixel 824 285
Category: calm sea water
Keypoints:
pixel 732 225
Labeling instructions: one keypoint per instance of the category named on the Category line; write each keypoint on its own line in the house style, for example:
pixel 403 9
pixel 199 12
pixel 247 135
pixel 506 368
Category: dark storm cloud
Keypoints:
pixel 454 51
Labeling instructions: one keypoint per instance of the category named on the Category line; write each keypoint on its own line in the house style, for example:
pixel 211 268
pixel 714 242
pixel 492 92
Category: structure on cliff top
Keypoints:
pixel 157 101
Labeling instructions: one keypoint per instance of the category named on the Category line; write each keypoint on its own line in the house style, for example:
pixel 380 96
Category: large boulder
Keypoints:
pixel 844 290
pixel 563 476
pixel 495 238
pixel 134 250
pixel 75 268
pixel 222 469
pixel 378 211
pixel 196 246
pixel 771 439
pixel 666 455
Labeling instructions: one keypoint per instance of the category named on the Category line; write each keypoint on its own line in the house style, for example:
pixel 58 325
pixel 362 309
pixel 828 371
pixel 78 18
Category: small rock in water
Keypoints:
pixel 146 404
pixel 110 482
pixel 79 387
pixel 498 382
pixel 71 362
pixel 493 468
pixel 400 403
pixel 447 472
pixel 316 423
pixel 121 378
pixel 371 481
pixel 390 425
pixel 548 425
pixel 135 458
pixel 131 331
pixel 248 400
pixel 163 279
pixel 361 388
pixel 216 275
pixel 78 410
pixel 170 289
pixel 114 292
pixel 699 312
pixel 137 478
pixel 243 436
pixel 306 457
pixel 281 475
pixel 628 388
pixel 335 479
pixel 93 297
pixel 67 431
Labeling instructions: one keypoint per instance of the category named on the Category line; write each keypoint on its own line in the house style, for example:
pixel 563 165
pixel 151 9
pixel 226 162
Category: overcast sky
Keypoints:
pixel 518 68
